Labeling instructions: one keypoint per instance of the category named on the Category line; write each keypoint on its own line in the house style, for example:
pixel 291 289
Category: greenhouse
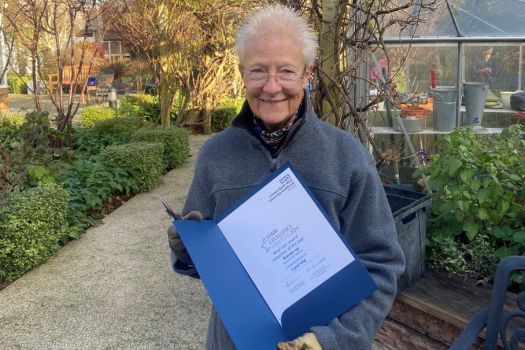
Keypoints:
pixel 463 49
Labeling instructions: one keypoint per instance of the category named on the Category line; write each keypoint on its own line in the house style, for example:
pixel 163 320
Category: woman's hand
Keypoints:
pixel 175 242
pixel 307 341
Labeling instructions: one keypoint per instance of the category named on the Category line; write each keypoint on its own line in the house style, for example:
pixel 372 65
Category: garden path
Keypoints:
pixel 114 287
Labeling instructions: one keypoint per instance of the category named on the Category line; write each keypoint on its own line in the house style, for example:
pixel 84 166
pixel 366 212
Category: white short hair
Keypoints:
pixel 280 19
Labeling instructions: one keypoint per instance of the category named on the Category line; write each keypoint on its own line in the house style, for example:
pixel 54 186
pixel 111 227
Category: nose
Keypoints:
pixel 271 85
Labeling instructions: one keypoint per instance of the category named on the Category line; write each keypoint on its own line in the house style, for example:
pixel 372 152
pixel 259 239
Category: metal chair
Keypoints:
pixel 494 318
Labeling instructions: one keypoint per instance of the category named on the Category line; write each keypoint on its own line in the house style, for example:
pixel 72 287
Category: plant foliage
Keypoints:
pixel 9 125
pixel 17 85
pixel 225 112
pixel 147 106
pixel 175 141
pixel 144 161
pixel 89 183
pixel 32 223
pixel 478 193
pixel 114 131
pixel 89 115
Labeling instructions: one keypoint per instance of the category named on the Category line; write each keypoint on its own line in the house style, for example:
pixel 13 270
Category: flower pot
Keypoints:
pixel 413 111
pixel 411 123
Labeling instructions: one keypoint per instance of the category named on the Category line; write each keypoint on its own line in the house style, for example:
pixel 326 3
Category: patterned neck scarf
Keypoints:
pixel 273 138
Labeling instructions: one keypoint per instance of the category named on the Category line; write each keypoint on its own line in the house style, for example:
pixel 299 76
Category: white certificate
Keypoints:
pixel 284 242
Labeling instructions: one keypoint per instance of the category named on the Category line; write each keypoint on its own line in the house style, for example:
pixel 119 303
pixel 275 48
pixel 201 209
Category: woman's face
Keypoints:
pixel 275 75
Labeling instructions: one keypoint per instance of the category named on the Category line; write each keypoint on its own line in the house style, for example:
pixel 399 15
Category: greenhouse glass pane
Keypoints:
pixel 490 17
pixel 431 23
pixel 412 71
pixel 497 65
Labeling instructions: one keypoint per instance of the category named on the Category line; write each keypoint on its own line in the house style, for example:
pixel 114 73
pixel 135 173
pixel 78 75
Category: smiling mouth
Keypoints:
pixel 273 101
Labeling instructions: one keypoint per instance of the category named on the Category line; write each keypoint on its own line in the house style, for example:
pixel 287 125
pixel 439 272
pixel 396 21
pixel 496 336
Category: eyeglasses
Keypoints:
pixel 258 77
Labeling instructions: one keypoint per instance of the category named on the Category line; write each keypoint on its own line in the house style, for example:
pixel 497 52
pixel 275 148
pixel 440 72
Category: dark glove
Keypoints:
pixel 183 263
pixel 307 341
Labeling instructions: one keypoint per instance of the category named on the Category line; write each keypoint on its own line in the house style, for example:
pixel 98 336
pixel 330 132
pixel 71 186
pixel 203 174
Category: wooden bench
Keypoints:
pixel 70 75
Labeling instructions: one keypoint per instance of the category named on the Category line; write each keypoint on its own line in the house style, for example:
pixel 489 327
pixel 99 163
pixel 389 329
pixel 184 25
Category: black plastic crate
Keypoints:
pixel 409 209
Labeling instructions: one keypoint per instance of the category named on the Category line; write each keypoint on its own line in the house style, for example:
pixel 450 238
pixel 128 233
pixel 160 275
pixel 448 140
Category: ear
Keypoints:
pixel 308 71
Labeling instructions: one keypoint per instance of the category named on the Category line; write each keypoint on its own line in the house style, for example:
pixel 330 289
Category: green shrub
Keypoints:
pixel 114 131
pixel 89 115
pixel 128 109
pixel 90 183
pixel 17 85
pixel 478 195
pixel 143 105
pixel 175 140
pixel 36 139
pixel 226 111
pixel 32 223
pixel 10 124
pixel 143 161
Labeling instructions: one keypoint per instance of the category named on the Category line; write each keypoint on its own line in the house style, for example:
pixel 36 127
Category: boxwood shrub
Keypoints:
pixel 175 140
pixel 142 160
pixel 32 223
pixel 10 124
pixel 223 115
pixel 17 84
pixel 89 115
pixel 114 131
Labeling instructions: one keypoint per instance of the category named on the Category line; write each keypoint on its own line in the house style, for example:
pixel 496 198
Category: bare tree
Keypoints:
pixel 350 33
pixel 67 23
pixel 24 27
pixel 211 66
pixel 59 27
pixel 7 50
pixel 156 29
pixel 189 45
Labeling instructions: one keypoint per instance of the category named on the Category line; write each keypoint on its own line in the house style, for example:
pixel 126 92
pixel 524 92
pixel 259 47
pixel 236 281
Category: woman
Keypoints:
pixel 276 49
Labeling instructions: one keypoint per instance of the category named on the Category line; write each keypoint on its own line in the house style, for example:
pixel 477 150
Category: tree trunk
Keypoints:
pixel 166 92
pixel 329 59
pixel 165 101
pixel 34 76
pixel 206 117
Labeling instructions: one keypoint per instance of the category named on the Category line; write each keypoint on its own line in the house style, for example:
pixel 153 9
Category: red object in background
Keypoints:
pixel 433 78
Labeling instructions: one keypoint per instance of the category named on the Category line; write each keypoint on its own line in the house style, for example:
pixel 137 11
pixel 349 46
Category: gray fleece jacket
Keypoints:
pixel 342 175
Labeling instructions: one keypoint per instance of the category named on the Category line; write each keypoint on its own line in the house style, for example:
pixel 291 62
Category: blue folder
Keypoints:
pixel 244 312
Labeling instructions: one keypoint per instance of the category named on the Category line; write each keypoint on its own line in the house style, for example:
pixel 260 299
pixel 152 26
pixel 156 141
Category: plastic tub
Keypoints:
pixel 409 209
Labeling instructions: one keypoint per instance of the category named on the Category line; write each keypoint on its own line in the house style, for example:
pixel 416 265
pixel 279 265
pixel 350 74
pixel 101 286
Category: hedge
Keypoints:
pixel 175 140
pixel 105 132
pixel 89 115
pixel 142 160
pixel 32 223
pixel 223 115
pixel 10 124
pixel 17 85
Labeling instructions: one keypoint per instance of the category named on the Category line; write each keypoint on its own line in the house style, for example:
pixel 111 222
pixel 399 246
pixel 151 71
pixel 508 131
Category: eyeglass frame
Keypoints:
pixel 264 81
